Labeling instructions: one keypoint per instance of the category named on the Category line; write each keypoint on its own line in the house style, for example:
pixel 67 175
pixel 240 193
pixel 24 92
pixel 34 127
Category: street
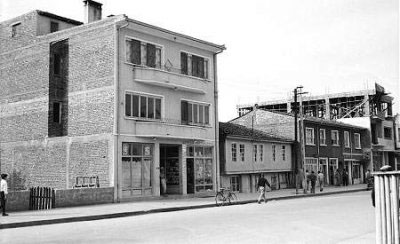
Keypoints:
pixel 344 218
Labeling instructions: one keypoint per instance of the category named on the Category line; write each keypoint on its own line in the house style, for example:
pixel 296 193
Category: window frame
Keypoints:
pixel 242 152
pixel 261 152
pixel 338 139
pixel 346 135
pixel 357 140
pixel 385 134
pixel 143 59
pixel 283 151
pixel 255 146
pixel 273 154
pixel 234 152
pixel 54 26
pixel 14 29
pixel 322 142
pixel 312 143
pixel 191 117
pixel 139 106
pixel 206 64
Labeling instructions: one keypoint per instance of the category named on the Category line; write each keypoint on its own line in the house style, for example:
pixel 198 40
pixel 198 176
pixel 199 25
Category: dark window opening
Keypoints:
pixel 151 55
pixel 14 29
pixel 57 112
pixel 184 63
pixel 387 133
pixel 53 26
pixel 56 64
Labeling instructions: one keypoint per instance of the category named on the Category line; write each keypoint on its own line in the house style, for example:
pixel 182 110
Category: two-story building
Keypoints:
pixel 246 153
pixel 327 146
pixel 112 98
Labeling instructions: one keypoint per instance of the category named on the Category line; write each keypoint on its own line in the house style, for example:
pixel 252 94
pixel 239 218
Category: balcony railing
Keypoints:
pixel 172 121
pixel 169 68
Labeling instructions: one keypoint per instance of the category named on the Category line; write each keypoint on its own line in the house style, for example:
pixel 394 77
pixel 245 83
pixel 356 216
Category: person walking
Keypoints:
pixel 307 185
pixel 321 180
pixel 262 182
pixel 345 178
pixel 3 193
pixel 313 180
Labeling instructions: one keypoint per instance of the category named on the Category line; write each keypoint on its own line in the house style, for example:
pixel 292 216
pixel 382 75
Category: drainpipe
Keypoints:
pixel 216 121
pixel 116 110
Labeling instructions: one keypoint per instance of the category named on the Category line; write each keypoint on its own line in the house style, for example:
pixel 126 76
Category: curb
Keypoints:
pixel 159 210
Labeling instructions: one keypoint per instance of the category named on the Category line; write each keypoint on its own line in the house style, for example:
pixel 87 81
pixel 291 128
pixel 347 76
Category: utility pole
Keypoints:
pixel 298 91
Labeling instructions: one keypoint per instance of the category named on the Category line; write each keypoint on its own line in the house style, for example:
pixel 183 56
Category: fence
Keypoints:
pixel 387 206
pixel 41 198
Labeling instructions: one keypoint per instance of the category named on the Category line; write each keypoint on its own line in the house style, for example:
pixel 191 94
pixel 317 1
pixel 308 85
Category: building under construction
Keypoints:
pixel 368 108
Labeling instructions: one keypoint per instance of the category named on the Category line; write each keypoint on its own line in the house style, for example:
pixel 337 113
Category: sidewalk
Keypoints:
pixel 115 210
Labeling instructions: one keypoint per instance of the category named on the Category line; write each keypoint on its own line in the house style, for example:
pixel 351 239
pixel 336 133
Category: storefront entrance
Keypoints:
pixel 169 168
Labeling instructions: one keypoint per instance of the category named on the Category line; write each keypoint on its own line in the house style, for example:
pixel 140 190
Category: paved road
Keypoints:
pixel 345 218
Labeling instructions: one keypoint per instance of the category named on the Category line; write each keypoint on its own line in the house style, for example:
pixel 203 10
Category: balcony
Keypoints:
pixel 385 144
pixel 378 115
pixel 170 78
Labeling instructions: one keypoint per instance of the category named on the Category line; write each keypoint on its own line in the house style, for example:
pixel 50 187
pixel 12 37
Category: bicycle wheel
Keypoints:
pixel 219 199
pixel 232 198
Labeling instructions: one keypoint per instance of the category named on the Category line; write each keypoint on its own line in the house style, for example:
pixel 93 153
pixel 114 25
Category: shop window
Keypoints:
pixel 203 167
pixel 142 106
pixel 311 164
pixel 235 183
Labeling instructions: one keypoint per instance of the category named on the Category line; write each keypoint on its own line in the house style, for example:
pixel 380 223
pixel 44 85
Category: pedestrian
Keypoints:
pixel 307 185
pixel 345 178
pixel 262 182
pixel 299 180
pixel 369 179
pixel 3 193
pixel 321 180
pixel 313 180
pixel 337 177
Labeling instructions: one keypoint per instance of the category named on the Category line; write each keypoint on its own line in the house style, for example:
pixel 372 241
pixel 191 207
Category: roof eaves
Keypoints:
pixel 54 16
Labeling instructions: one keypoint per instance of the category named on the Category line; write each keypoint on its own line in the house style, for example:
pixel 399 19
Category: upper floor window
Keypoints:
pixel 234 152
pixel 335 137
pixel 142 106
pixel 195 113
pixel 283 152
pixel 15 29
pixel 346 139
pixel 387 132
pixel 194 65
pixel 143 53
pixel 53 26
pixel 255 152
pixel 322 137
pixel 261 149
pixel 241 151
pixel 273 152
pixel 357 140
pixel 310 138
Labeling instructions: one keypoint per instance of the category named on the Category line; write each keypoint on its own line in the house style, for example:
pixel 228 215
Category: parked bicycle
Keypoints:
pixel 225 196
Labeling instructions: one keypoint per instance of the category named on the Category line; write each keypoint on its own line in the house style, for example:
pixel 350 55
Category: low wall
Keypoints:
pixel 19 200
pixel 84 196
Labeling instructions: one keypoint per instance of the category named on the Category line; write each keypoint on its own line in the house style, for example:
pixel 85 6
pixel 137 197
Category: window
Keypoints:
pixel 142 106
pixel 57 112
pixel 14 29
pixel 142 53
pixel 311 164
pixel 357 141
pixel 235 183
pixel 241 151
pixel 53 26
pixel 261 149
pixel 335 137
pixel 273 152
pixel 255 153
pixel 195 113
pixel 234 152
pixel 201 156
pixel 346 139
pixel 283 153
pixel 322 137
pixel 387 132
pixel 310 136
pixel 198 65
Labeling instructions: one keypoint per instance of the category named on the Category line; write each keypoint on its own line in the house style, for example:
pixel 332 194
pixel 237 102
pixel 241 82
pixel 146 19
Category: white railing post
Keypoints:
pixel 378 215
pixel 388 215
pixel 395 204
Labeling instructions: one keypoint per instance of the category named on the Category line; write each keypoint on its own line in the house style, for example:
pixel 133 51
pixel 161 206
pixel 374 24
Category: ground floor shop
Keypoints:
pixel 166 168
pixel 247 182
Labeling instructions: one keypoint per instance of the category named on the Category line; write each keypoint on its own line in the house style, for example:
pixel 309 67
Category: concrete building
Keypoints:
pixel 371 109
pixel 112 99
pixel 328 146
pixel 246 153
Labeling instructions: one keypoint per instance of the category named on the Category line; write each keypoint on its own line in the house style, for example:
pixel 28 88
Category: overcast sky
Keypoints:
pixel 272 45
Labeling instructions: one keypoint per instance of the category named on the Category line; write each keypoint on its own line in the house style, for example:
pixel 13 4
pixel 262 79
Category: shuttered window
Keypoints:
pixel 184 63
pixel 198 65
pixel 142 53
pixel 151 55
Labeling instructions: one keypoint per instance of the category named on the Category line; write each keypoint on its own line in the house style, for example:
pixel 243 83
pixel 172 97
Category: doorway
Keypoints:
pixel 169 168
pixel 190 175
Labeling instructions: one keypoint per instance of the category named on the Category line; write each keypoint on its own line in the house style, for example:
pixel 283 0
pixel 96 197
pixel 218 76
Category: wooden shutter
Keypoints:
pixel 200 64
pixel 184 63
pixel 184 112
pixel 151 55
pixel 135 52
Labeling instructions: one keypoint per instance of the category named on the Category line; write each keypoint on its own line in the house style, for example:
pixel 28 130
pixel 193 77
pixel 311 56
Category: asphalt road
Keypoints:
pixel 345 218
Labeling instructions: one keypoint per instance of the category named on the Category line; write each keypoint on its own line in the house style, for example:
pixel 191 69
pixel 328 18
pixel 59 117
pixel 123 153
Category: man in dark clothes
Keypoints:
pixel 261 187
pixel 313 179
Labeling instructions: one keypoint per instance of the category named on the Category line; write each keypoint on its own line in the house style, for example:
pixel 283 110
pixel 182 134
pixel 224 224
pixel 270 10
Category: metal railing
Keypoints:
pixel 387 206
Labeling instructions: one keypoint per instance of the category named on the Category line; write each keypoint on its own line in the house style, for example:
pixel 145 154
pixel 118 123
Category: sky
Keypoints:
pixel 273 46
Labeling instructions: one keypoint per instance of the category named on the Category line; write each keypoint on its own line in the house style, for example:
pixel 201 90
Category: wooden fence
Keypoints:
pixel 42 198
pixel 387 206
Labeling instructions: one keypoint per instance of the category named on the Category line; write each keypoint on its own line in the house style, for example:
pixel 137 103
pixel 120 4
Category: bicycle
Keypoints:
pixel 224 196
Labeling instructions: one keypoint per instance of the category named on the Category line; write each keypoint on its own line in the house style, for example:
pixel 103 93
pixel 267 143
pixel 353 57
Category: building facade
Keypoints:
pixel 113 98
pixel 247 153
pixel 327 146
pixel 371 109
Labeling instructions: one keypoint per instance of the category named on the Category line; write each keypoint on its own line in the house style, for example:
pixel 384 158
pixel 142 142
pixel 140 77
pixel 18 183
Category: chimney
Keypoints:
pixel 92 11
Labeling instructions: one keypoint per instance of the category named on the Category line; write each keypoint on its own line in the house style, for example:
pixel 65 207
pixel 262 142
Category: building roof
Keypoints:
pixel 235 130
pixel 54 16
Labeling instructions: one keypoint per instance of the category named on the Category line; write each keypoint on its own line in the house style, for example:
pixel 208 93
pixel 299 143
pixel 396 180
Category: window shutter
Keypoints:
pixel 151 55
pixel 201 67
pixel 135 52
pixel 184 112
pixel 195 68
pixel 184 63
